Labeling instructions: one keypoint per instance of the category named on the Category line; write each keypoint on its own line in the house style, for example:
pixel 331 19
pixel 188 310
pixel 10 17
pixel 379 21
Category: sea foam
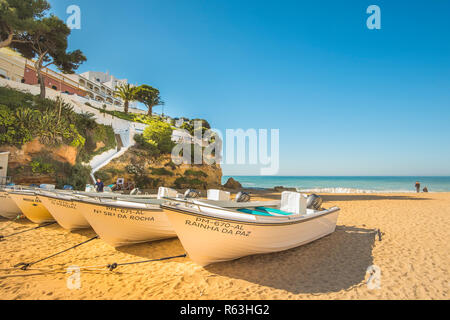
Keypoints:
pixel 349 190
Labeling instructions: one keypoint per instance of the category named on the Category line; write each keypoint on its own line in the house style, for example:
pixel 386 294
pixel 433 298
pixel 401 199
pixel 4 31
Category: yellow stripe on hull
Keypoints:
pixel 32 208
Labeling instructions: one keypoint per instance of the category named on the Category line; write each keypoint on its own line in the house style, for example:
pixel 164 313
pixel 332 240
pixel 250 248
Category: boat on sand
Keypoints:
pixel 216 231
pixel 31 206
pixel 124 222
pixel 8 208
pixel 66 211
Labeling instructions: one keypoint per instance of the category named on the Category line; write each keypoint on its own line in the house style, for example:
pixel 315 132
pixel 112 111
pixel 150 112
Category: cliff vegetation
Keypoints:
pixel 49 142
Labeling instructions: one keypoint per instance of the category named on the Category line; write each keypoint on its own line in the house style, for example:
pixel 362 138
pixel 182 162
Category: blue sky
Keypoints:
pixel 347 100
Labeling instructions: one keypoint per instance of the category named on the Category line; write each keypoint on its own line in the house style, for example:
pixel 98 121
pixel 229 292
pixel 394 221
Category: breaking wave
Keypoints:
pixel 350 190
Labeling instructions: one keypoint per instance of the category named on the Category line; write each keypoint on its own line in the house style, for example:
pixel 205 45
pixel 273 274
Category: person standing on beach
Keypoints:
pixel 99 185
pixel 418 187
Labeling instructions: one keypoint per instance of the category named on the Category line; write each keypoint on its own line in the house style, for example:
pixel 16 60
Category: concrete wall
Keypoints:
pixel 10 66
pixel 51 81
pixel 3 165
pixel 109 107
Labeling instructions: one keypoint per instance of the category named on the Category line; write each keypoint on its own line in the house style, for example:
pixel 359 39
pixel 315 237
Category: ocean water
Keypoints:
pixel 346 184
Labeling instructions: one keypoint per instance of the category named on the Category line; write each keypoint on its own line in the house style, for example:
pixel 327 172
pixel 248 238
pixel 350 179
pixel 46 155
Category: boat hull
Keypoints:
pixel 8 208
pixel 210 239
pixel 32 208
pixel 120 226
pixel 65 211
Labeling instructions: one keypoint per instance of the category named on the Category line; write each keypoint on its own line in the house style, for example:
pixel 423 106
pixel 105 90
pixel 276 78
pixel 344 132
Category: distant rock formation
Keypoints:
pixel 232 184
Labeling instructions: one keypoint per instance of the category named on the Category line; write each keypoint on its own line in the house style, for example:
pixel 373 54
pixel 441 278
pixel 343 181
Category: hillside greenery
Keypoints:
pixel 25 117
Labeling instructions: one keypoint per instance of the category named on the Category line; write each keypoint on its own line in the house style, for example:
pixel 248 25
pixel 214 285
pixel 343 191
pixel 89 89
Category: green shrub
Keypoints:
pixel 15 99
pixel 141 143
pixel 24 117
pixel 183 183
pixel 107 175
pixel 159 134
pixel 103 175
pixel 189 125
pixel 38 167
pixel 146 182
pixel 86 121
pixel 7 130
pixel 161 172
pixel 195 173
pixel 78 177
pixel 101 133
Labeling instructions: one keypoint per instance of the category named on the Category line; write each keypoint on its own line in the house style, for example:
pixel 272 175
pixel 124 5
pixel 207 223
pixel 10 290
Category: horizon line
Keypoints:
pixel 337 176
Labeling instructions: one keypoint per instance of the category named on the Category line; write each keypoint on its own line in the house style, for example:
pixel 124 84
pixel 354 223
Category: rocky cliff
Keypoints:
pixel 36 163
pixel 139 167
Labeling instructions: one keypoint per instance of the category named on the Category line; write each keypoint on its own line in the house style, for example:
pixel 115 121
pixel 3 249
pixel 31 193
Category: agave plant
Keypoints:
pixel 51 128
pixel 26 118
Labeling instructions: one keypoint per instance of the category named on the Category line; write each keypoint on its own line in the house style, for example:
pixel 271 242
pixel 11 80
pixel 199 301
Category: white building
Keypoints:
pixel 100 86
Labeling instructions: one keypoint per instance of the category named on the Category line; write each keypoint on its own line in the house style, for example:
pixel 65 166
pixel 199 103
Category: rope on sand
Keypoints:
pixel 24 266
pixel 11 222
pixel 113 266
pixel 380 234
pixel 20 232
pixel 110 267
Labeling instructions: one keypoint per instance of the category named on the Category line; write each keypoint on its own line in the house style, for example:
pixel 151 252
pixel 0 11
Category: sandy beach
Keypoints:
pixel 413 256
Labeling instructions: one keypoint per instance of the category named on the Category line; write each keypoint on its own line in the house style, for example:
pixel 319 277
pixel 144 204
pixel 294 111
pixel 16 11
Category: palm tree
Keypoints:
pixel 127 93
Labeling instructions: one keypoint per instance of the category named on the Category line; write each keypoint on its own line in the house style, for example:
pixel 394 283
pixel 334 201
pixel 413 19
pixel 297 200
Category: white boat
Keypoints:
pixel 125 222
pixel 216 231
pixel 31 206
pixel 8 208
pixel 66 211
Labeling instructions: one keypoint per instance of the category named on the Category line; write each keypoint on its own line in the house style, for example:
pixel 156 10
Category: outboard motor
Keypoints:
pixel 135 191
pixel 314 202
pixel 191 194
pixel 242 197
